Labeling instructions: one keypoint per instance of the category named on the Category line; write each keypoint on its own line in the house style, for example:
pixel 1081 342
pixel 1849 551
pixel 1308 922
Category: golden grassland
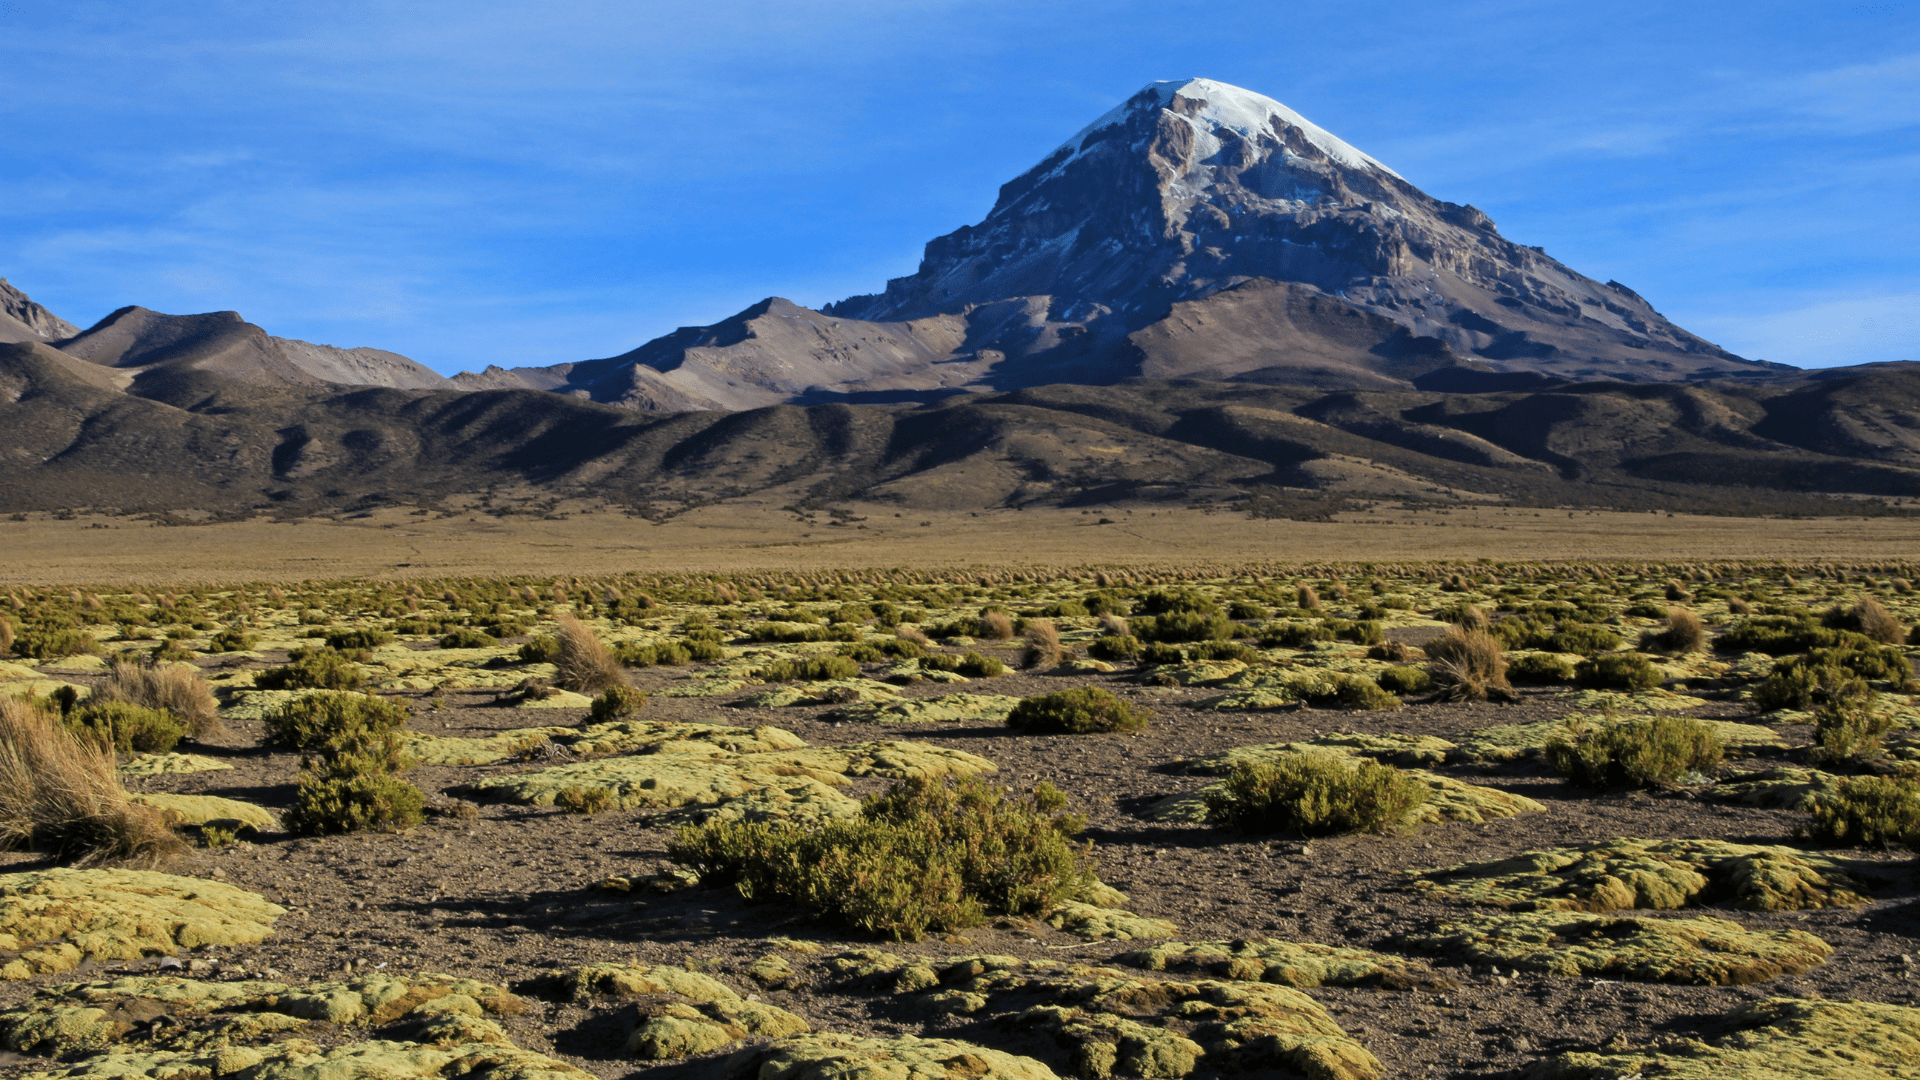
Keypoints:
pixel 734 537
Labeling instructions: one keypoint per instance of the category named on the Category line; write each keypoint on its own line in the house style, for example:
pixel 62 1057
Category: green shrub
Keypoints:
pixel 541 650
pixel 1357 692
pixel 1315 795
pixel 1241 609
pixel 658 654
pixel 416 627
pixel 315 720
pixel 1113 647
pixel 1846 727
pixel 1404 680
pixel 924 856
pixel 1540 668
pixel 312 669
pixel 1293 635
pixel 1157 653
pixel 466 637
pixel 1621 671
pixel 789 633
pixel 1587 639
pixel 358 639
pixel 1224 650
pixel 1803 683
pixel 584 800
pixel 227 641
pixel 54 642
pixel 1362 632
pixel 970 663
pixel 1182 626
pixel 1180 602
pixel 1778 635
pixel 873 652
pixel 1868 811
pixel 341 799
pixel 1080 711
pixel 706 651
pixel 1103 603
pixel 808 669
pixel 1868 619
pixel 126 727
pixel 617 701
pixel 1636 753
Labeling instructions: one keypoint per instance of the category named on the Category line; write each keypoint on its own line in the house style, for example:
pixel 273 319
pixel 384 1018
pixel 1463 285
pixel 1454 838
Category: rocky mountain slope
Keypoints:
pixel 1198 230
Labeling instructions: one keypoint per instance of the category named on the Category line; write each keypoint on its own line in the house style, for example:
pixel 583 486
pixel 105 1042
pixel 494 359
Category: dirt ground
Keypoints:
pixel 511 895
pixel 745 535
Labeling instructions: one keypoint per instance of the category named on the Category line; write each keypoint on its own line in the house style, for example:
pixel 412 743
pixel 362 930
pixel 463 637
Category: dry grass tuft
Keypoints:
pixel 1685 633
pixel 586 667
pixel 1307 598
pixel 6 636
pixel 913 634
pixel 1115 626
pixel 1878 623
pixel 1043 645
pixel 1468 665
pixel 177 690
pixel 60 795
pixel 995 626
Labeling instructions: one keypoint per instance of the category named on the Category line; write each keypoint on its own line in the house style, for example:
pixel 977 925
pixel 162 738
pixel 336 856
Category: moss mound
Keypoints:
pixel 1700 951
pixel 1778 1039
pixel 948 708
pixel 1106 1022
pixel 1404 750
pixel 1302 965
pixel 1508 742
pixel 1447 799
pixel 662 737
pixel 441 750
pixel 648 781
pixel 170 764
pixel 211 809
pixel 850 1057
pixel 50 920
pixel 683 1012
pixel 300 1059
pixel 1620 875
pixel 1097 923
pixel 1784 788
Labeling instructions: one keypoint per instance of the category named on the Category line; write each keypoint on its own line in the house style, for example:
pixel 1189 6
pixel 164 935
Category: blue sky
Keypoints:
pixel 517 183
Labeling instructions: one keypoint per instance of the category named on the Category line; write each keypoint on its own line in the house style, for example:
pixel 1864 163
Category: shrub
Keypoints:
pixel 808 669
pixel 913 635
pixel 1800 682
pixel 61 796
pixel 658 654
pixel 617 701
pixel 232 640
pixel 54 642
pixel 358 639
pixel 969 663
pixel 1865 811
pixel 1181 626
pixel 1241 609
pixel 466 637
pixel 1778 635
pixel 1468 665
pixel 1404 680
pixel 312 669
pixel 1157 653
pixel 1467 617
pixel 1355 692
pixel 6 636
pixel 584 800
pixel 1315 795
pixel 1620 671
pixel 127 728
pixel 315 720
pixel 1847 728
pixel 180 691
pixel 1293 635
pixel 1685 633
pixel 1541 668
pixel 586 667
pixel 788 633
pixel 1080 711
pixel 1043 646
pixel 1306 598
pixel 1111 647
pixel 341 797
pixel 1186 602
pixel 1223 650
pixel 1391 651
pixel 925 855
pixel 541 650
pixel 1638 753
pixel 1869 619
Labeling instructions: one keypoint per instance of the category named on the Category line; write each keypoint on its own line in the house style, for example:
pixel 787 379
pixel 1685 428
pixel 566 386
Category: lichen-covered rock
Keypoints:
pixel 1508 742
pixel 444 750
pixel 656 781
pixel 1785 788
pixel 905 1057
pixel 1777 1039
pixel 167 764
pixel 299 1059
pixel 774 972
pixel 1619 875
pixel 210 809
pixel 667 737
pixel 1650 700
pixel 1448 799
pixel 1298 964
pixel 830 692
pixel 895 760
pixel 1097 923
pixel 948 708
pixel 681 1012
pixel 1105 1021
pixel 1200 673
pixel 1408 751
pixel 50 920
pixel 799 799
pixel 1703 951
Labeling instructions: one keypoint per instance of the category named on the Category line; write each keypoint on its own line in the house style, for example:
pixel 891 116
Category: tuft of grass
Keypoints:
pixel 1043 645
pixel 1306 598
pixel 1870 619
pixel 1867 811
pixel 913 635
pixel 1637 753
pixel 1468 665
pixel 1081 711
pixel 177 690
pixel 1685 633
pixel 60 795
pixel 927 855
pixel 1315 795
pixel 6 636
pixel 312 669
pixel 586 667
pixel 994 626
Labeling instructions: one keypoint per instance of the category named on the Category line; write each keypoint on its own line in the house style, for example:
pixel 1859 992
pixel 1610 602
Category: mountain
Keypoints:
pixel 1197 230
pixel 23 320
